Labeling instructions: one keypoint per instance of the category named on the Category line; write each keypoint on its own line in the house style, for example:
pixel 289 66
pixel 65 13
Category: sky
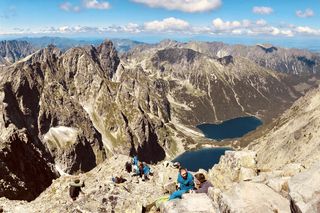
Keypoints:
pixel 198 19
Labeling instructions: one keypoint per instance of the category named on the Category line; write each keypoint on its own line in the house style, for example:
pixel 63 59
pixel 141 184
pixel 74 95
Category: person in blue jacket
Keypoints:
pixel 185 179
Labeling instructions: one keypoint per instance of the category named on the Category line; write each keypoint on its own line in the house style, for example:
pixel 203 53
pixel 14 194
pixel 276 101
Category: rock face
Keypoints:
pixel 304 190
pixel 12 51
pixel 25 172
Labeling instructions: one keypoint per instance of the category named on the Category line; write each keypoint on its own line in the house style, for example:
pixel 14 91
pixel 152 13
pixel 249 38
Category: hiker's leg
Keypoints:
pixel 177 194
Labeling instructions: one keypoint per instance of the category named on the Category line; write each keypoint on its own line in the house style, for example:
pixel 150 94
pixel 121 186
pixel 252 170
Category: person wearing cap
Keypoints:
pixel 75 189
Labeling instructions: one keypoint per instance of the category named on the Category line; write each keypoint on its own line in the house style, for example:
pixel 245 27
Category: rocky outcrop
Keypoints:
pixel 25 170
pixel 234 166
pixel 226 60
pixel 12 51
pixel 101 194
pixel 267 48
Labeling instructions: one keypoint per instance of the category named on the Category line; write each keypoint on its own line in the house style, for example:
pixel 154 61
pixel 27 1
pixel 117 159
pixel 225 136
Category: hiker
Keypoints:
pixel 75 189
pixel 202 184
pixel 145 171
pixel 128 167
pixel 135 160
pixel 185 179
pixel 135 166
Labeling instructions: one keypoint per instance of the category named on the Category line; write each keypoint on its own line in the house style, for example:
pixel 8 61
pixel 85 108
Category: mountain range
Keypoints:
pixel 67 111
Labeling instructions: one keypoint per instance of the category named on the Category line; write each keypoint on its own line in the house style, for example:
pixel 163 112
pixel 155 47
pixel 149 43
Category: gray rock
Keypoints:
pixel 252 197
pixel 304 190
pixel 189 203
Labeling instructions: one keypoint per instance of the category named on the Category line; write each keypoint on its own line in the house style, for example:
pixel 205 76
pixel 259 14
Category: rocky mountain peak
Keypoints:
pixel 108 56
pixel 267 48
pixel 175 55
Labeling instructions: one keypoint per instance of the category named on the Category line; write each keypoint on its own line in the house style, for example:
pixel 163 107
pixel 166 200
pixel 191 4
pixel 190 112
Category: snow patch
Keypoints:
pixel 60 137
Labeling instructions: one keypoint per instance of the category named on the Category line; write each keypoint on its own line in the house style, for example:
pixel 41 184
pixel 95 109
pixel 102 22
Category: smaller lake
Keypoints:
pixel 234 128
pixel 203 158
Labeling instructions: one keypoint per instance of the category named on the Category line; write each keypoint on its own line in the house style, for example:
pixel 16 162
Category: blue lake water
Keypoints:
pixel 234 128
pixel 203 158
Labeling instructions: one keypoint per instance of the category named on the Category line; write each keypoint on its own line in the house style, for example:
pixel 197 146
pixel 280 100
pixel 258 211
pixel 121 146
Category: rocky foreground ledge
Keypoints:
pixel 239 187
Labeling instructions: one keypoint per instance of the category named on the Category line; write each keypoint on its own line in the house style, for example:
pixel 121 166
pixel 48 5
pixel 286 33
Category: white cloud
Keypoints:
pixel 87 4
pixel 305 14
pixel 190 6
pixel 307 30
pixel 132 28
pixel 173 25
pixel 262 10
pixel 247 27
pixel 228 26
pixel 67 6
pixel 168 24
pixel 95 4
pixel 261 22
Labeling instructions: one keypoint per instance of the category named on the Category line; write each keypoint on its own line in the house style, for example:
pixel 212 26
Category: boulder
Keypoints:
pixel 234 166
pixel 279 184
pixel 190 203
pixel 252 197
pixel 292 169
pixel 304 190
pixel 247 174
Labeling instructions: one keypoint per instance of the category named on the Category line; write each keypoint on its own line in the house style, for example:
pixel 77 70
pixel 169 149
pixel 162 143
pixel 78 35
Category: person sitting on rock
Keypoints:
pixel 135 166
pixel 128 167
pixel 135 160
pixel 185 181
pixel 146 171
pixel 75 189
pixel 202 184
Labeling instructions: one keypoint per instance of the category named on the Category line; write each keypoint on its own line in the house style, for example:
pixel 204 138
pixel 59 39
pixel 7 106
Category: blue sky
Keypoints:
pixel 161 18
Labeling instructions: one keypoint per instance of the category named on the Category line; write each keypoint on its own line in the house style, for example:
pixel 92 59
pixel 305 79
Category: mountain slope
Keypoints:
pixel 205 85
pixel 292 61
pixel 294 137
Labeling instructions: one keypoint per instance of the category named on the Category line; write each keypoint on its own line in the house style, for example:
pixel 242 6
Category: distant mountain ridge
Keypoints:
pixel 11 51
pixel 122 45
